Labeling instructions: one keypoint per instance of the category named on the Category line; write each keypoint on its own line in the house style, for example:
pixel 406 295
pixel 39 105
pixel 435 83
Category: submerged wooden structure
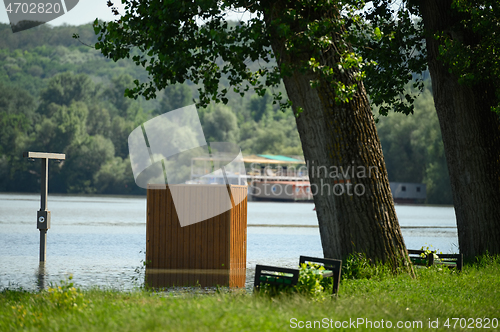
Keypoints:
pixel 207 253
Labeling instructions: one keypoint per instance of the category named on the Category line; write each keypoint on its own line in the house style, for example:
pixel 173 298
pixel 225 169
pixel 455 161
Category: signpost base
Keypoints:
pixel 43 245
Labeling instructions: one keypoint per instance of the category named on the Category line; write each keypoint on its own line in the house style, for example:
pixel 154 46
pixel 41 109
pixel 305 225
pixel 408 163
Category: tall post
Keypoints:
pixel 43 215
pixel 43 245
pixel 44 173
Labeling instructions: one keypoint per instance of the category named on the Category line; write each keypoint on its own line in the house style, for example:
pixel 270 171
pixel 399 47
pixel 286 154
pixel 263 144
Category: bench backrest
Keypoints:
pixel 443 259
pixel 274 275
pixel 458 259
pixel 417 259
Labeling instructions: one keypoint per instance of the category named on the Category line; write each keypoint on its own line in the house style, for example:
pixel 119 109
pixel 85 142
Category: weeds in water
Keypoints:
pixel 140 273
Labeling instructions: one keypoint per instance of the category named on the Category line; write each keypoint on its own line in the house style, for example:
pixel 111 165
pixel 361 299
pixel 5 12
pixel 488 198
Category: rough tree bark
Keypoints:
pixel 471 137
pixel 343 136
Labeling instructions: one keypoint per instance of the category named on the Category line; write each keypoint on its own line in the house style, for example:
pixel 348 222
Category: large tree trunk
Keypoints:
pixel 337 138
pixel 471 138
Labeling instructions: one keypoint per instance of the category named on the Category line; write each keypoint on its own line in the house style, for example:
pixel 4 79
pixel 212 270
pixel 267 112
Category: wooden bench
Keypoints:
pixel 449 260
pixel 333 269
pixel 274 275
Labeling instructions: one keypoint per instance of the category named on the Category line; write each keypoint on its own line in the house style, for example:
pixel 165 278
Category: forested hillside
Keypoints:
pixel 58 95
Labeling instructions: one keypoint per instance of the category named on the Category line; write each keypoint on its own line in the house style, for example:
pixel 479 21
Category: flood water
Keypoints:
pixel 101 240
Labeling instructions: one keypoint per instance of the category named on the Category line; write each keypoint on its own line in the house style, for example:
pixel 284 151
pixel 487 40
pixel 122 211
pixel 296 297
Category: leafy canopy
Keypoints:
pixel 475 58
pixel 177 41
pixel 382 40
pixel 399 53
pixel 469 48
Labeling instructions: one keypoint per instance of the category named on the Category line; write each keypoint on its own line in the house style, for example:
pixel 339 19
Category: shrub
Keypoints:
pixel 357 266
pixel 65 295
pixel 311 284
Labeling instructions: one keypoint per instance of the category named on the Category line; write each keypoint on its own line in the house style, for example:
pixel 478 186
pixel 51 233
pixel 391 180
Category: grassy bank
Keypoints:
pixel 435 294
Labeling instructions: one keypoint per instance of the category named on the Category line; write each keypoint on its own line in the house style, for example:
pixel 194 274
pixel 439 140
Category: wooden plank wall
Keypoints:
pixel 211 252
pixel 238 238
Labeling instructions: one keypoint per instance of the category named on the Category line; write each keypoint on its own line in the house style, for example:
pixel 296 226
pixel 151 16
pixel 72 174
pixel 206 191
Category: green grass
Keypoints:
pixel 435 294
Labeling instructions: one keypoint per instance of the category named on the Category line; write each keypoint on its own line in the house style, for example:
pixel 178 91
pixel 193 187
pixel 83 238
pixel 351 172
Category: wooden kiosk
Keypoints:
pixel 207 253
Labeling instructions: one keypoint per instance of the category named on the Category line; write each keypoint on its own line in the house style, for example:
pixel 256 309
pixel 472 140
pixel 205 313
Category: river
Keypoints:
pixel 101 240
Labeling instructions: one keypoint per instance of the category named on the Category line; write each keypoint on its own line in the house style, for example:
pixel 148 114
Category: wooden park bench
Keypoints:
pixel 273 275
pixel 449 260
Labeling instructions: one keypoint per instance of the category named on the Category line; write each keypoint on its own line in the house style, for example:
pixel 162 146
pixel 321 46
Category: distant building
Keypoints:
pixel 405 192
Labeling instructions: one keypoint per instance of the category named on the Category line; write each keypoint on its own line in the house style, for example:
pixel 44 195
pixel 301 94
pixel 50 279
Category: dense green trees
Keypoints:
pixel 40 112
pixel 174 97
pixel 413 149
pixel 220 125
pixel 48 107
pixel 16 116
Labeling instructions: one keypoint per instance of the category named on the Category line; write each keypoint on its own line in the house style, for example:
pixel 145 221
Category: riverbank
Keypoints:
pixel 436 298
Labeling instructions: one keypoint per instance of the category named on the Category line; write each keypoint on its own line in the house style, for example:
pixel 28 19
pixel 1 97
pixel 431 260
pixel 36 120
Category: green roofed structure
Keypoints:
pixel 280 158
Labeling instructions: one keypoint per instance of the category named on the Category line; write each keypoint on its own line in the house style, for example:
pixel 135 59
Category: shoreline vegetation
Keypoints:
pixel 439 299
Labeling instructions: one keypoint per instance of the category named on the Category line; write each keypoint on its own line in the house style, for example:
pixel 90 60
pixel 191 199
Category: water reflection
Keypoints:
pixel 41 276
pixel 163 278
